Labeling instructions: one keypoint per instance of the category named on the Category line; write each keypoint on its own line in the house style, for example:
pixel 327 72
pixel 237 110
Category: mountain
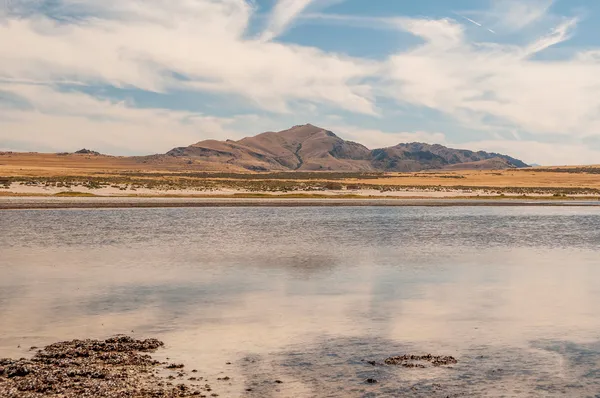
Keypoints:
pixel 304 147
pixel 311 148
pixel 418 156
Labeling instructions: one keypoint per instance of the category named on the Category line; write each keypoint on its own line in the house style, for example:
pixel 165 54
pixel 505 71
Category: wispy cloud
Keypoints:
pixel 286 12
pixel 514 15
pixel 360 21
pixel 432 30
pixel 283 14
pixel 558 35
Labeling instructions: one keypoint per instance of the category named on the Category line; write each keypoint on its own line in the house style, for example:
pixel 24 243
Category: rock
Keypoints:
pixel 17 371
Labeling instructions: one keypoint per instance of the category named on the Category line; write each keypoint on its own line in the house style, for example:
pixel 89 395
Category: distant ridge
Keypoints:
pixel 311 148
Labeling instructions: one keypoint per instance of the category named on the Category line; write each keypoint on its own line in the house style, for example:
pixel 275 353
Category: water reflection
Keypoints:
pixel 304 295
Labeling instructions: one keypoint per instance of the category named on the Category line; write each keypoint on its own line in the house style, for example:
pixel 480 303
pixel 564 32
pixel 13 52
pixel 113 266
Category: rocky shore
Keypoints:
pixel 119 367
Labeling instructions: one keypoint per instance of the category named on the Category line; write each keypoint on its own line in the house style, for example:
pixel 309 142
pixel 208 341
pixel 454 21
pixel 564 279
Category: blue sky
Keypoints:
pixel 520 77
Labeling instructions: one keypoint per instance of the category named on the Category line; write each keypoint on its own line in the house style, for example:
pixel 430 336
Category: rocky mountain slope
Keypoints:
pixel 311 148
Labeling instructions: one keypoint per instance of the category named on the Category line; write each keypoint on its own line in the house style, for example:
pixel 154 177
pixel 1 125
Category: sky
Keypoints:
pixel 520 77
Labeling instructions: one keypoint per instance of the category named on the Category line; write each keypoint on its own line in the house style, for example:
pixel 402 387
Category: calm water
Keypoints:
pixel 304 294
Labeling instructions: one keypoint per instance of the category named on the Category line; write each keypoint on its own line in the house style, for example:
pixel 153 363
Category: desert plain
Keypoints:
pixel 91 175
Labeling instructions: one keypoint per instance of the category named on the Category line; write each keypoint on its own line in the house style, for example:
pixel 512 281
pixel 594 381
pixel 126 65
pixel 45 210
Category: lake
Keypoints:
pixel 309 296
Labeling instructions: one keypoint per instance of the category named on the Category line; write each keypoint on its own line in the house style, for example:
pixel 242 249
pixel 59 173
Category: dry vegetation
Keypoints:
pixel 520 178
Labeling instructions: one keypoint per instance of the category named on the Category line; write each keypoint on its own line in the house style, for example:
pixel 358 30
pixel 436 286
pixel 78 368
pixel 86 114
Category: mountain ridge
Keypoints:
pixel 311 148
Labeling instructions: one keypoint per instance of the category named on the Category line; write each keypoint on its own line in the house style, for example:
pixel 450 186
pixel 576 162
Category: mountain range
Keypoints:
pixel 311 148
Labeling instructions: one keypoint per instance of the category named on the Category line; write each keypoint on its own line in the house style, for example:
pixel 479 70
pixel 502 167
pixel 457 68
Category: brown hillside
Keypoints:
pixel 304 147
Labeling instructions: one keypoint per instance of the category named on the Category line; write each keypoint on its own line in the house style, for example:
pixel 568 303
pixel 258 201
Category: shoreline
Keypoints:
pixel 122 366
pixel 57 202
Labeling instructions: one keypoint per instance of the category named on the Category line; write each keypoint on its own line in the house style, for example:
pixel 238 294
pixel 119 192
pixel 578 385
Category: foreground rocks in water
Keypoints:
pixel 116 367
pixel 420 361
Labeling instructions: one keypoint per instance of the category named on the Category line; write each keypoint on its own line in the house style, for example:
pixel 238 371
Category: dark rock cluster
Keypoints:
pixel 118 367
pixel 87 152
pixel 420 361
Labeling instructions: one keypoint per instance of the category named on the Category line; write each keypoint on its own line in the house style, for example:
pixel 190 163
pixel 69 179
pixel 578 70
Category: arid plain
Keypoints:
pixel 86 175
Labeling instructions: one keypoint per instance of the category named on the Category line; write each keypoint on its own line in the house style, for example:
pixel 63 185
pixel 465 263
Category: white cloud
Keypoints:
pixel 140 44
pixel 67 121
pixel 496 85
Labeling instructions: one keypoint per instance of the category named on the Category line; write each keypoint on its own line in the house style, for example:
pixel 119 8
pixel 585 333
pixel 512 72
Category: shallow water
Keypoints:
pixel 304 295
